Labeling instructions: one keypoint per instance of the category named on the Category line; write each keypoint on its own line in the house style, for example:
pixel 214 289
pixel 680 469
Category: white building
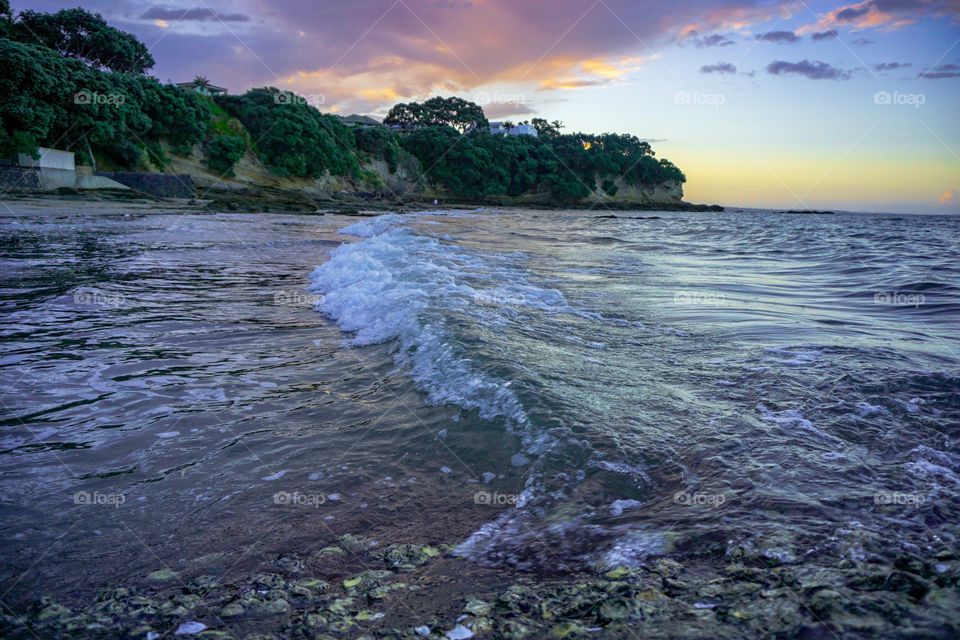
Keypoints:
pixel 497 129
pixel 49 159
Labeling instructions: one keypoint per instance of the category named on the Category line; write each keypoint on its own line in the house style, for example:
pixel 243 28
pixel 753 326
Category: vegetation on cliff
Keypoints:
pixel 71 81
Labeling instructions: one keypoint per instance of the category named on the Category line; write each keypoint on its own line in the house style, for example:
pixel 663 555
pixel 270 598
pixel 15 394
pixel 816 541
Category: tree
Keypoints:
pixel 293 138
pixel 454 112
pixel 546 129
pixel 76 33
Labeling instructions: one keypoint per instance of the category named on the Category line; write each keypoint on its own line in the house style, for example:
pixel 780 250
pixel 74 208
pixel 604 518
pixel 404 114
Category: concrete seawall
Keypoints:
pixel 160 185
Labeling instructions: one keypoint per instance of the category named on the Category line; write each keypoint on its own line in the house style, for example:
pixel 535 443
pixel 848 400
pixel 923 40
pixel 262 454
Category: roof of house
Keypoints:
pixel 362 120
pixel 194 85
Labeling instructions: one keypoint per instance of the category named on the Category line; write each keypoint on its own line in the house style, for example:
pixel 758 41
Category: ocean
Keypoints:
pixel 546 392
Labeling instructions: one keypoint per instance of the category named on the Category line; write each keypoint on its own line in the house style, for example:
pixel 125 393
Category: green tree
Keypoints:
pixel 454 112
pixel 293 138
pixel 223 152
pixel 76 33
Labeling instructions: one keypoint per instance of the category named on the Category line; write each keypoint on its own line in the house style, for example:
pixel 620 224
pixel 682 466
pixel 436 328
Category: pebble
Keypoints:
pixel 189 628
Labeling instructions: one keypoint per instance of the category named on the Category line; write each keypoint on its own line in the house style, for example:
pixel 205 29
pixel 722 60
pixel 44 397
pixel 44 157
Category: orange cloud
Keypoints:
pixel 885 14
pixel 950 197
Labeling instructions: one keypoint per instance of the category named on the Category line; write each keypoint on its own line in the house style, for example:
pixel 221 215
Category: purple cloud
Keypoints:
pixel 714 40
pixel 825 35
pixel 783 37
pixel 720 67
pixel 812 70
pixel 942 72
pixel 194 15
pixel 891 66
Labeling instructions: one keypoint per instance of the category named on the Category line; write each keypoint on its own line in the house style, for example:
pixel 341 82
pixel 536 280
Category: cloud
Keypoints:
pixel 887 14
pixel 825 35
pixel 941 72
pixel 713 40
pixel 358 54
pixel 784 37
pixel 166 15
pixel 720 67
pixel 813 70
pixel 863 42
pixel 950 197
pixel 891 66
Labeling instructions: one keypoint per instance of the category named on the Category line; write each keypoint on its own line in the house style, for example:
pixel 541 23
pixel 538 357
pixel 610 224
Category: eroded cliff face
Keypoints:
pixel 405 183
pixel 664 193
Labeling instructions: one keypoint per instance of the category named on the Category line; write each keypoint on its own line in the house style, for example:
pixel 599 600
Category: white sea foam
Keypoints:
pixel 792 419
pixel 400 286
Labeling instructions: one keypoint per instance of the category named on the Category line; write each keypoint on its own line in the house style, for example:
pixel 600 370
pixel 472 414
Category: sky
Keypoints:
pixel 795 105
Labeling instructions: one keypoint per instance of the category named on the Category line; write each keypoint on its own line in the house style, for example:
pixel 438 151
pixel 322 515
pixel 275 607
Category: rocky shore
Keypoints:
pixel 257 199
pixel 356 589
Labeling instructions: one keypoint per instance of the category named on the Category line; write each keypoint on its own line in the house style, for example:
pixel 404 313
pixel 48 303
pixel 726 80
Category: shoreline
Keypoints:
pixel 272 200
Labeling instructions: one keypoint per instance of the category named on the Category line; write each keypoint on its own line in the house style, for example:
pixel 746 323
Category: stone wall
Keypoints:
pixel 160 185
pixel 18 178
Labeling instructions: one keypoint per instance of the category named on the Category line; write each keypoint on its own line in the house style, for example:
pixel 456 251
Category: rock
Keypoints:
pixel 330 551
pixel 274 607
pixel 366 579
pixel 615 610
pixel 913 585
pixel 459 632
pixel 269 581
pixel 566 629
pixel 675 587
pixel 189 628
pixel 308 587
pixel 113 594
pixel 340 606
pixel 291 564
pixel 422 630
pixel 477 607
pixel 355 544
pixel 515 629
pixel 232 610
pixel 913 564
pixel 365 615
pixel 825 602
pixel 668 567
pixel 53 611
pixel 162 575
pixel 408 556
